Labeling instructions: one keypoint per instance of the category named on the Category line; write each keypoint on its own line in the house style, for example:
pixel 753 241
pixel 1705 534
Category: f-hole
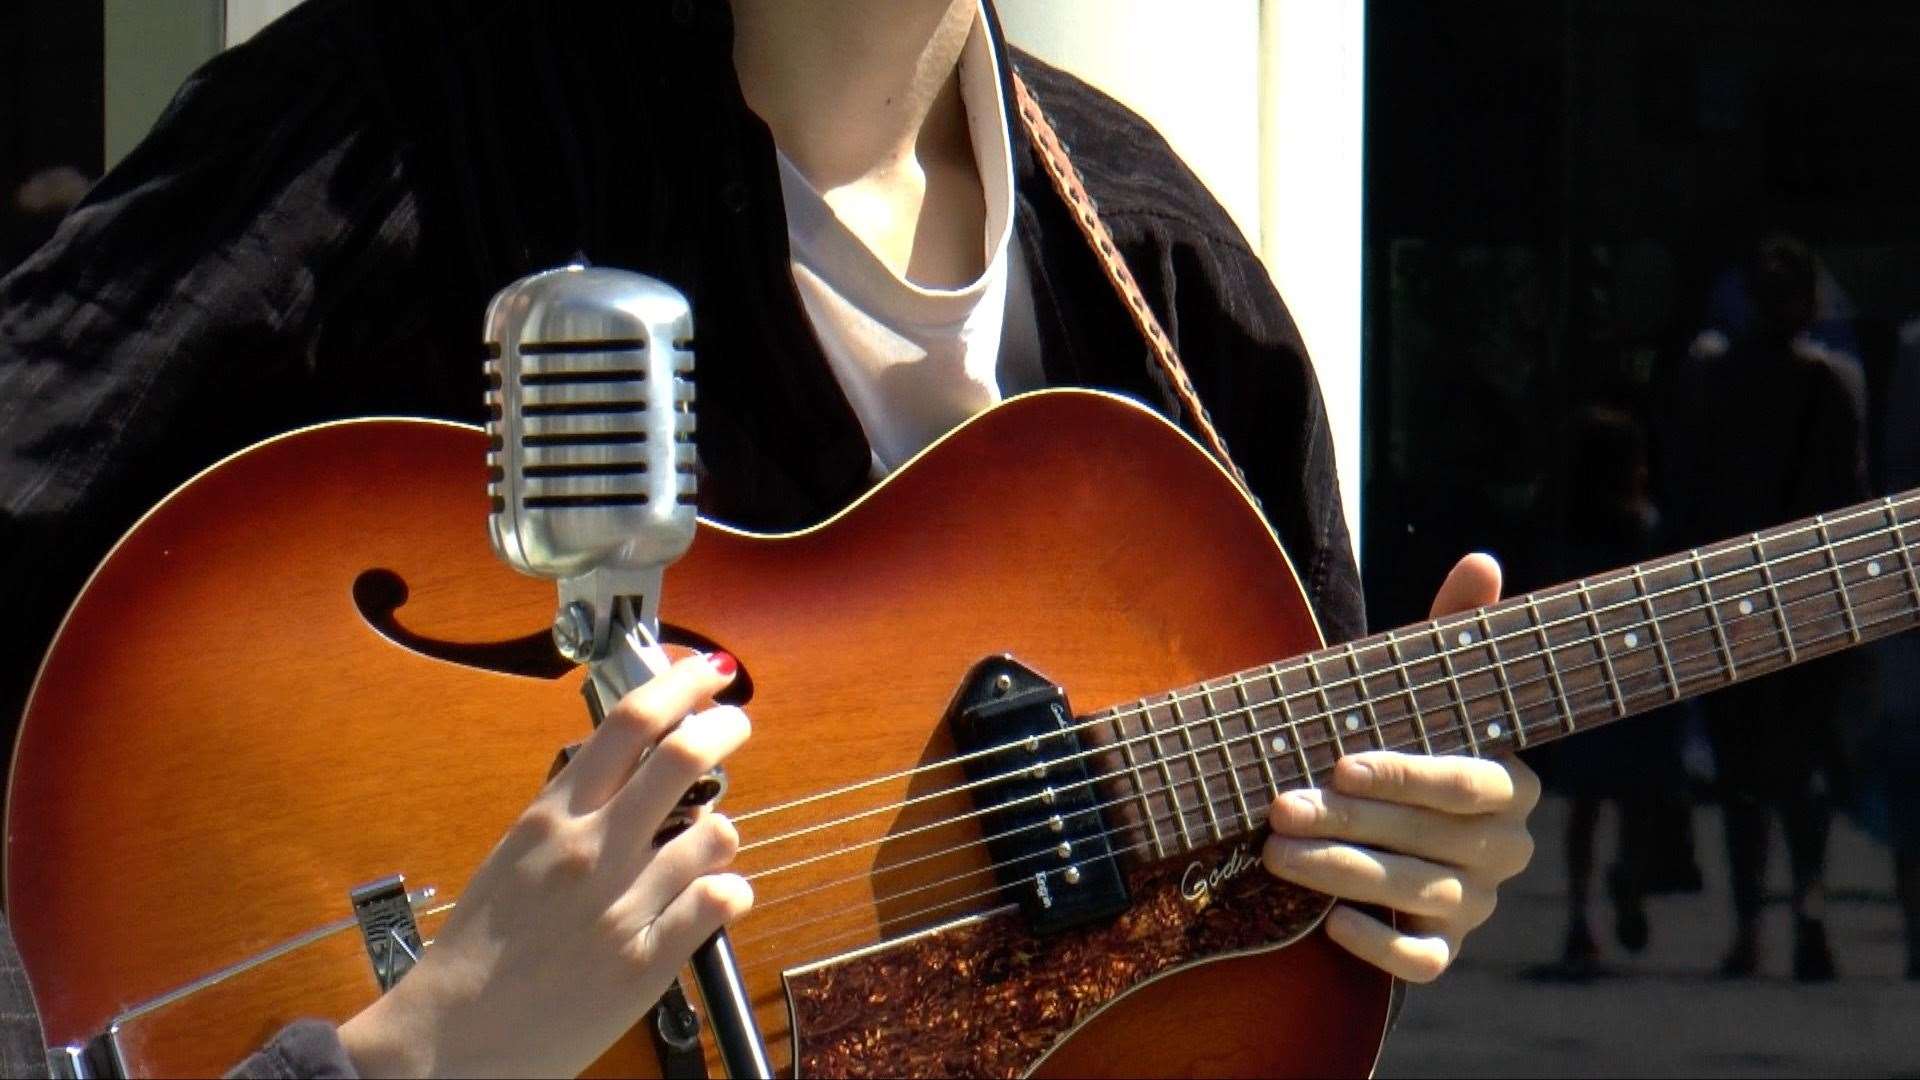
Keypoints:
pixel 379 594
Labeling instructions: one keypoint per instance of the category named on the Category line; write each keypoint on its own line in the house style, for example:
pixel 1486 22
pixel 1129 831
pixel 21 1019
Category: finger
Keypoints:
pixel 704 906
pixel 1474 580
pixel 632 727
pixel 706 847
pixel 1404 956
pixel 1526 783
pixel 636 812
pixel 1455 785
pixel 1401 882
pixel 1480 844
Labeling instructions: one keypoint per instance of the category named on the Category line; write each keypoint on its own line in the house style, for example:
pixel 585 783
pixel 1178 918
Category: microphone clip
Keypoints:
pixel 609 620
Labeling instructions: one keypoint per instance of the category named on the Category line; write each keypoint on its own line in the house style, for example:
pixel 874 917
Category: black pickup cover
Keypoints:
pixel 1040 796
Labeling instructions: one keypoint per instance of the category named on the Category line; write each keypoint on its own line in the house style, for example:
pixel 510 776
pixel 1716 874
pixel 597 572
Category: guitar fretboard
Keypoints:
pixel 1200 764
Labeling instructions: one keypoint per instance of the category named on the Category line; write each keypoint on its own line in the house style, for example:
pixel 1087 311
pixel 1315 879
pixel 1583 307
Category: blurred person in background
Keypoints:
pixel 1637 765
pixel 1765 427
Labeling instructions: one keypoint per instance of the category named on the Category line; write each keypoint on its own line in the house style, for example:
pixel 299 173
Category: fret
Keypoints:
pixel 1839 579
pixel 1365 696
pixel 1906 553
pixel 1659 639
pixel 1553 666
pixel 1713 613
pixel 1406 687
pixel 1139 784
pixel 1293 726
pixel 1326 709
pixel 1226 754
pixel 1499 669
pixel 1600 646
pixel 1185 731
pixel 1459 696
pixel 1254 733
pixel 1166 774
pixel 1779 609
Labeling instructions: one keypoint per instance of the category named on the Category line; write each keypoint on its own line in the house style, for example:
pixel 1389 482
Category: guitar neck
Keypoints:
pixel 1198 765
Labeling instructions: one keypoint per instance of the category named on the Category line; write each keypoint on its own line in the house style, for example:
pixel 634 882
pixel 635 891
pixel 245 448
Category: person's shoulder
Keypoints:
pixel 1129 168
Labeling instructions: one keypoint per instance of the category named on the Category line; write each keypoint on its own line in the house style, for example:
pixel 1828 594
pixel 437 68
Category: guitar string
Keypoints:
pixel 1885 506
pixel 1170 791
pixel 1285 697
pixel 1581 590
pixel 1294 722
pixel 808 947
pixel 1290 780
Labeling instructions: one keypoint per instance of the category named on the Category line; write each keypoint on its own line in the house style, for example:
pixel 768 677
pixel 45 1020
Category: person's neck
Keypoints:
pixel 863 96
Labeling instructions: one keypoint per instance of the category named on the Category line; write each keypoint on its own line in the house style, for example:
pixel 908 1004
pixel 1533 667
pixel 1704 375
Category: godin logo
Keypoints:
pixel 1199 883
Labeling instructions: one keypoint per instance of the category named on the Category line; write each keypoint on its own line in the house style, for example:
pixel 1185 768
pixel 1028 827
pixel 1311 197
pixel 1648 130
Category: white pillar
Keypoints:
pixel 148 51
pixel 246 17
pixel 1311 179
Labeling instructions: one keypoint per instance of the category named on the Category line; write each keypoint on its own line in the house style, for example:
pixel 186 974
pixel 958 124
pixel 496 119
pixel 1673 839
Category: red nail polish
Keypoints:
pixel 722 661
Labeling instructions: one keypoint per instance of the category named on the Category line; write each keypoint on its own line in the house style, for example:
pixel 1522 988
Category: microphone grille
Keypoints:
pixel 590 421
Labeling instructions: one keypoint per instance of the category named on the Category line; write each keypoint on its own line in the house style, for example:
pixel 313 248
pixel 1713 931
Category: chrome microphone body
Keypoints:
pixel 592 477
pixel 591 455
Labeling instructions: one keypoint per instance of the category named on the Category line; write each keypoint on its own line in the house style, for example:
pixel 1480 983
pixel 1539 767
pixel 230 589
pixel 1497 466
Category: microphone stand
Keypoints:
pixel 616 663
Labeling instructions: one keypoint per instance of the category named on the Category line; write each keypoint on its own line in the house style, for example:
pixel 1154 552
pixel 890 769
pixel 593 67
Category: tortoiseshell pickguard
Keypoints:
pixel 988 998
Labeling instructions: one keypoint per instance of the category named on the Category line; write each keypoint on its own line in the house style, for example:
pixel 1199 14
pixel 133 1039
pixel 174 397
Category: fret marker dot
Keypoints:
pixel 1746 607
pixel 1493 731
pixel 1630 639
pixel 1873 568
pixel 1466 637
pixel 1353 721
pixel 1279 744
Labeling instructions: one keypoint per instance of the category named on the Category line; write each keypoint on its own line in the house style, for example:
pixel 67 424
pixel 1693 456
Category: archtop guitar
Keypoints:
pixel 1019 714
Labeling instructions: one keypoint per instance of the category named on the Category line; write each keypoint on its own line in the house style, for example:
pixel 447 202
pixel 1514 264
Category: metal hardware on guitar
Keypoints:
pixel 385 915
pixel 383 910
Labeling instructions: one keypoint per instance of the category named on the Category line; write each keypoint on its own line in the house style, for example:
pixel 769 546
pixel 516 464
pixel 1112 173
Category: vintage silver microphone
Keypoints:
pixel 591 474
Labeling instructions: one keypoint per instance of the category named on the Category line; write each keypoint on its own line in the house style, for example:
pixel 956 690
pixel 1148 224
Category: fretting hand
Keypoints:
pixel 1431 838
pixel 575 923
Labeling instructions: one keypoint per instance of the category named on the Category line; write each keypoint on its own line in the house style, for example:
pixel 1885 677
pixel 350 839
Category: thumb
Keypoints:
pixel 1474 580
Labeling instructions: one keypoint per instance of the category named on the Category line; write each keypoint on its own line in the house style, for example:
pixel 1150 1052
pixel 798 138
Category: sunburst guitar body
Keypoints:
pixel 306 670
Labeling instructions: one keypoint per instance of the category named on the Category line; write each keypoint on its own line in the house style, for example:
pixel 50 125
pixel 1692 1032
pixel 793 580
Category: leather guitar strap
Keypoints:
pixel 1066 181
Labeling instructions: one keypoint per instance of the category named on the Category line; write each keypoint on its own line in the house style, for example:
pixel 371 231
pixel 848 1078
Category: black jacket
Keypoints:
pixel 315 226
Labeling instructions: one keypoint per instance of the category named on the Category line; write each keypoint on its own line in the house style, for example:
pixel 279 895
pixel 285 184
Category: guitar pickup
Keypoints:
pixel 1051 845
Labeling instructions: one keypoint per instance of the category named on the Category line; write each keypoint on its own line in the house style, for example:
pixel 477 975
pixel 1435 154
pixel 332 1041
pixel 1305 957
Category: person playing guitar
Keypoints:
pixel 875 253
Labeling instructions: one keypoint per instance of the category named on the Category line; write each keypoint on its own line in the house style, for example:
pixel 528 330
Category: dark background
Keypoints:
pixel 1554 188
pixel 51 108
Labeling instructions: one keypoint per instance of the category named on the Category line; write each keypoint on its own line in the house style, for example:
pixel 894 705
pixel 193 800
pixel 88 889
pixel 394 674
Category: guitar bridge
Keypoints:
pixel 1050 843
